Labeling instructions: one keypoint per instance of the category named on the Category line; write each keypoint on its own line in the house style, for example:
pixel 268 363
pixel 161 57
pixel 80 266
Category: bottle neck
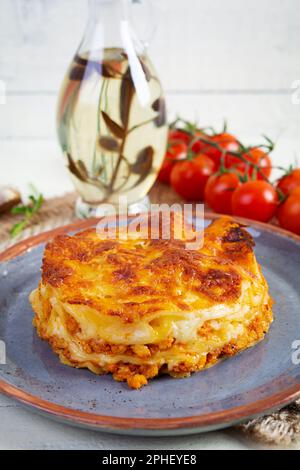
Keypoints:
pixel 109 26
pixel 107 10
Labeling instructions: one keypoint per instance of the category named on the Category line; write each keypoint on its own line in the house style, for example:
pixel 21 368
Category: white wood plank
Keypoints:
pixel 34 52
pixel 22 429
pixel 228 44
pixel 29 116
pixel 199 45
pixel 37 162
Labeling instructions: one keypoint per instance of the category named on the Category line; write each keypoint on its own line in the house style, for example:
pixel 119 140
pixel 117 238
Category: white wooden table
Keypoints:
pixel 238 60
pixel 23 429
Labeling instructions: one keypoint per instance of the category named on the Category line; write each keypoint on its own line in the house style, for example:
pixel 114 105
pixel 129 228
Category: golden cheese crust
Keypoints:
pixel 137 277
pixel 138 307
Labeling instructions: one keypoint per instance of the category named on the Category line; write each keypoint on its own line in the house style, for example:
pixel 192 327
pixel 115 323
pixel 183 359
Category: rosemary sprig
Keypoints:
pixel 35 202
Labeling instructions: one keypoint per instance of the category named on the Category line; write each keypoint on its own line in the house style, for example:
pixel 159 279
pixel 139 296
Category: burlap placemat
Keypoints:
pixel 280 428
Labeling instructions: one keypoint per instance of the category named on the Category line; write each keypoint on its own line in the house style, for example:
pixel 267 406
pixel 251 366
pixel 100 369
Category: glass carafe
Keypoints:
pixel 111 114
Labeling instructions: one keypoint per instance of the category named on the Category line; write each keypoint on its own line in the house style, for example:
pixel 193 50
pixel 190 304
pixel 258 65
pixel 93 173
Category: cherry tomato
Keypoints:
pixel 179 135
pixel 219 190
pixel 289 181
pixel 226 141
pixel 256 200
pixel 188 178
pixel 288 212
pixel 256 156
pixel 176 151
pixel 295 192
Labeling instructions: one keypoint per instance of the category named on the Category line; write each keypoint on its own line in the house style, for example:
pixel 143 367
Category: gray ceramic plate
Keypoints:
pixel 255 381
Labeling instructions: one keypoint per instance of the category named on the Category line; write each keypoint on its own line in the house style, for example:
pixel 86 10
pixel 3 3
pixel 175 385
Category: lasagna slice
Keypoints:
pixel 137 308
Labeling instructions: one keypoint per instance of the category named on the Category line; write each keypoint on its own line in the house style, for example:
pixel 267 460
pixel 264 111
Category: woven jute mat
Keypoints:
pixel 281 428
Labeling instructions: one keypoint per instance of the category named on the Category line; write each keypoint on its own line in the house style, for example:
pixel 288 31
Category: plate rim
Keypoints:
pixel 213 420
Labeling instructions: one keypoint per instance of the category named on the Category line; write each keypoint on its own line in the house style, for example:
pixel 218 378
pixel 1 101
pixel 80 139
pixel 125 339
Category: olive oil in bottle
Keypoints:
pixel 112 125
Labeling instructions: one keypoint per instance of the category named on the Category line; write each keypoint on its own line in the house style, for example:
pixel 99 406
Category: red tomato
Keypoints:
pixel 219 190
pixel 179 135
pixel 176 151
pixel 289 182
pixel 189 178
pixel 289 212
pixel 295 192
pixel 199 145
pixel 256 156
pixel 226 141
pixel 255 200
